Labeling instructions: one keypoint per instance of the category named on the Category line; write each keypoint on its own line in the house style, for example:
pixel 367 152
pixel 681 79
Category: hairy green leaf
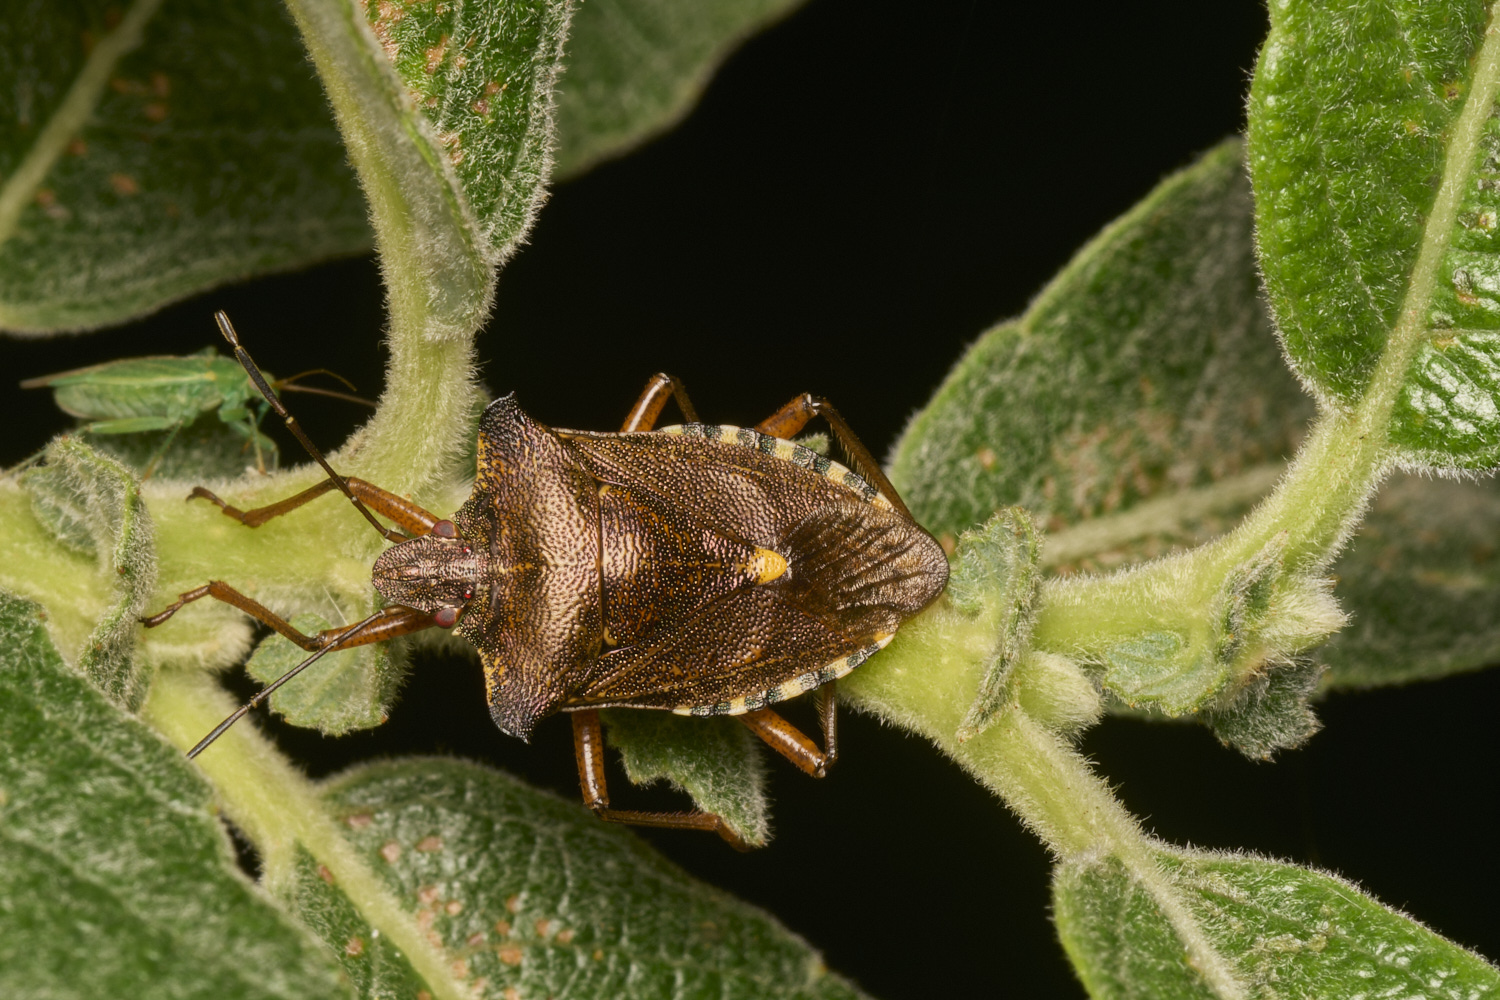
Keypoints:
pixel 115 878
pixel 1286 931
pixel 157 148
pixel 1421 580
pixel 1375 154
pixel 637 67
pixel 719 764
pixel 93 504
pixel 1147 369
pixel 529 893
pixel 346 690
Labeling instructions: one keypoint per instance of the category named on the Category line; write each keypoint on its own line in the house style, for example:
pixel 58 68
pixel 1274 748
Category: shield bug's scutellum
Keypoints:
pixel 699 569
pixel 165 393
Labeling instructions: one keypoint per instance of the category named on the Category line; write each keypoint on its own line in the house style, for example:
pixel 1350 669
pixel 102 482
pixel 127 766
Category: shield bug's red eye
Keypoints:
pixel 445 617
pixel 445 529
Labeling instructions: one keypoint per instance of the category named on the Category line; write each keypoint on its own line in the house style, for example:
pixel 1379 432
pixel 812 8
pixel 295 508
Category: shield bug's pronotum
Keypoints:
pixel 699 569
pixel 164 393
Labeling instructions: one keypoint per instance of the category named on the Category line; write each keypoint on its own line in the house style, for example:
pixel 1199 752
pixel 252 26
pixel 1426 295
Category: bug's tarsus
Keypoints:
pixel 243 357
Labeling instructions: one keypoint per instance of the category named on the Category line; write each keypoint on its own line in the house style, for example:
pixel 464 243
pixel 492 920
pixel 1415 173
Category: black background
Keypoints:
pixel 863 190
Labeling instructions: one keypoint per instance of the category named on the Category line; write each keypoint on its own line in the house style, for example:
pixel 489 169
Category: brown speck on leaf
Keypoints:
pixel 358 821
pixel 430 843
pixel 156 111
pixel 492 88
pixel 423 995
pixel 390 850
pixel 424 918
pixel 428 894
pixel 511 993
pixel 513 904
pixel 509 954
pixel 481 106
pixel 565 936
pixel 436 54
pixel 354 947
pixel 598 954
pixel 325 874
pixel 986 458
pixel 112 17
pixel 502 927
pixel 454 907
pixel 124 184
pixel 120 85
pixel 475 940
pixel 78 148
pixel 45 197
pixel 460 968
pixel 161 84
pixel 544 928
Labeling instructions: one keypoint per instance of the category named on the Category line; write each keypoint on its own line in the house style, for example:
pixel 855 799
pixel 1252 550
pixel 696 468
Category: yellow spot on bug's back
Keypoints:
pixel 124 184
pixel 430 843
pixel 766 566
pixel 390 850
pixel 509 954
pixel 354 947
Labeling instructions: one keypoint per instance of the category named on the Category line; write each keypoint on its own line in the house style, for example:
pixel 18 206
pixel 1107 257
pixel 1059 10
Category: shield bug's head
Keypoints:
pixel 437 572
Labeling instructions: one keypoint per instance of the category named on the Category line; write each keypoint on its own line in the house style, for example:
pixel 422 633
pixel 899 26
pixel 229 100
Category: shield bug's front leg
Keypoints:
pixel 646 409
pixel 387 624
pixel 412 519
pixel 789 741
pixel 588 744
pixel 795 415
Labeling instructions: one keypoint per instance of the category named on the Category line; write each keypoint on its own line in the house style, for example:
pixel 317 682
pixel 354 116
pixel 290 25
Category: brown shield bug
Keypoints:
pixel 699 569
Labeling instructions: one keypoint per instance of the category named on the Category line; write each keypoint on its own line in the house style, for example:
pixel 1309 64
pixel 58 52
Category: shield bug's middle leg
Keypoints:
pixel 588 744
pixel 789 741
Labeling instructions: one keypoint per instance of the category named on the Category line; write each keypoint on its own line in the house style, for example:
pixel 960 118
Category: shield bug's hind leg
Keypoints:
pixel 789 741
pixel 588 744
pixel 795 415
pixel 658 390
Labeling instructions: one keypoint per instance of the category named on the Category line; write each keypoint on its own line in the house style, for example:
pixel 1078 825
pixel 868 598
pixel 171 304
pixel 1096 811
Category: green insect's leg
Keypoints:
pixel 161 451
pixel 131 425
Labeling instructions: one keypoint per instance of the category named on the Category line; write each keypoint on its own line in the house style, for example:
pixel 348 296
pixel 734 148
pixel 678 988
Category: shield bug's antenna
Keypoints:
pixel 270 688
pixel 243 357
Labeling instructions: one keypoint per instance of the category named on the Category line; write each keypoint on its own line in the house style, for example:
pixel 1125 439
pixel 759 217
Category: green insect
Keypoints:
pixel 167 393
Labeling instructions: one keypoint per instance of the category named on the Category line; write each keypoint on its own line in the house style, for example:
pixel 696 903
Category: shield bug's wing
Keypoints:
pixel 537 623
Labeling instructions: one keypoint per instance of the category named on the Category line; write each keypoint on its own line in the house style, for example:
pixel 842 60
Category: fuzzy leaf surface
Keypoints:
pixel 115 878
pixel 1148 367
pixel 1421 579
pixel 534 895
pixel 92 504
pixel 1375 153
pixel 637 67
pixel 720 765
pixel 1288 932
pixel 344 691
pixel 132 175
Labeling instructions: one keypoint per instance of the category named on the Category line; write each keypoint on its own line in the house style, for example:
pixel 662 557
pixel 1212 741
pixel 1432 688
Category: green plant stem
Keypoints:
pixel 279 810
pixel 923 682
pixel 438 275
